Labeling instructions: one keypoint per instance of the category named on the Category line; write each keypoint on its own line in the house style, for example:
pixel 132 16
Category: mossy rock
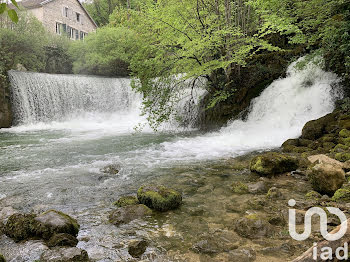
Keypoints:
pixel 345 141
pixel 340 148
pixel 344 124
pixel 253 226
pixel 328 138
pixel 62 239
pixel 342 195
pixel 2 258
pixel 126 201
pixel 328 146
pixel 315 129
pixel 295 149
pixel 344 133
pixel 326 178
pixel 274 193
pixel 240 188
pixel 159 198
pixel 313 195
pixel 342 157
pixel 291 142
pixel 272 163
pixel 53 221
pixel 304 142
pixel 21 227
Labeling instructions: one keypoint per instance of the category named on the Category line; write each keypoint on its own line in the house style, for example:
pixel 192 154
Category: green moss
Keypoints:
pixel 345 141
pixel 340 148
pixel 328 145
pixel 21 227
pixel 342 195
pixel 239 188
pixel 126 201
pixel 2 258
pixel 252 216
pixel 344 133
pixel 272 163
pixel 327 138
pixel 274 193
pixel 159 197
pixel 342 156
pixel 313 195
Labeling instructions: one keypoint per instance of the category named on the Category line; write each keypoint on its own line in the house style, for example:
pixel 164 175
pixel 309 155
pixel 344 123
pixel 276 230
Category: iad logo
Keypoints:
pixel 326 252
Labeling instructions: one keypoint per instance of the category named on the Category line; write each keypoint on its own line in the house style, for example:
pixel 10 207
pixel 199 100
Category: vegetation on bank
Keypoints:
pixel 238 46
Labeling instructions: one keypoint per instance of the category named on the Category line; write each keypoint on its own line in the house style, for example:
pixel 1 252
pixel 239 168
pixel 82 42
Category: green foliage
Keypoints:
pixel 105 52
pixel 189 40
pixel 28 43
pixel 12 14
pixel 100 10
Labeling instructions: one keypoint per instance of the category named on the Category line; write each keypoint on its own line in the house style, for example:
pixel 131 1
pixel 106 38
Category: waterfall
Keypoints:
pixel 41 97
pixel 76 102
pixel 279 113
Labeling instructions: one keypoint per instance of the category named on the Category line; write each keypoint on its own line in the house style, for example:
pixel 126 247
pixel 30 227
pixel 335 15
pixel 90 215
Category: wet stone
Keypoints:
pixel 137 247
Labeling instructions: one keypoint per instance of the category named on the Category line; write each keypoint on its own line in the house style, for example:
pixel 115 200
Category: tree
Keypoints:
pixel 105 52
pixel 191 39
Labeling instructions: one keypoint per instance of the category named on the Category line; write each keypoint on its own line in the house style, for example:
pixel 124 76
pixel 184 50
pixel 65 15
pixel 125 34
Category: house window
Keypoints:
pixel 58 28
pixel 82 35
pixel 78 17
pixel 65 11
pixel 76 35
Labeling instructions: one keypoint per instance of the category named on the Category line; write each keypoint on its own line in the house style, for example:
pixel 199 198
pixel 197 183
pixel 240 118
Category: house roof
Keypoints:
pixel 29 4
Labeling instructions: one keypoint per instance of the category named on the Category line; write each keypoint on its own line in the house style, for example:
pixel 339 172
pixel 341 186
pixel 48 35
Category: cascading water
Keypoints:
pixel 278 114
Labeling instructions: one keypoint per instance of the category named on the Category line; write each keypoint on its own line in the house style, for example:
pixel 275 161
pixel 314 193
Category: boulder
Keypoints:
pixel 126 201
pixel 53 221
pixel 326 178
pixel 137 247
pixel 62 239
pixel 252 226
pixel 239 188
pixel 21 227
pixel 272 163
pixel 257 188
pixel 70 254
pixel 323 159
pixel 315 129
pixel 159 198
pixel 127 214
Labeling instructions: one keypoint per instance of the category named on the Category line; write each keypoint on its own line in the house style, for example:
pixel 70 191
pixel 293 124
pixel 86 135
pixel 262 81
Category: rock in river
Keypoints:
pixel 137 247
pixel 71 254
pixel 127 214
pixel 271 163
pixel 159 198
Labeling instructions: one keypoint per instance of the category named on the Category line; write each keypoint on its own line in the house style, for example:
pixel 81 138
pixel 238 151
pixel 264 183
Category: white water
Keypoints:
pixel 278 114
pixel 96 107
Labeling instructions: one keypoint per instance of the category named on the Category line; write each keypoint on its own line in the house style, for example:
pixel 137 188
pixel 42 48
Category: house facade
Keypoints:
pixel 62 17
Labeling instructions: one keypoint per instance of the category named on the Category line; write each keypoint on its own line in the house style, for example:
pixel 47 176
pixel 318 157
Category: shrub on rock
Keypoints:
pixel 326 178
pixel 272 163
pixel 342 157
pixel 159 198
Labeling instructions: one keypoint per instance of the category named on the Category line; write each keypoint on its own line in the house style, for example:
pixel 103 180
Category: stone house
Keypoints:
pixel 62 17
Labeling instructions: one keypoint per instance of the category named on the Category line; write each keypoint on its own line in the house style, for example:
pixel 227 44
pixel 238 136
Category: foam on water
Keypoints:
pixel 278 114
